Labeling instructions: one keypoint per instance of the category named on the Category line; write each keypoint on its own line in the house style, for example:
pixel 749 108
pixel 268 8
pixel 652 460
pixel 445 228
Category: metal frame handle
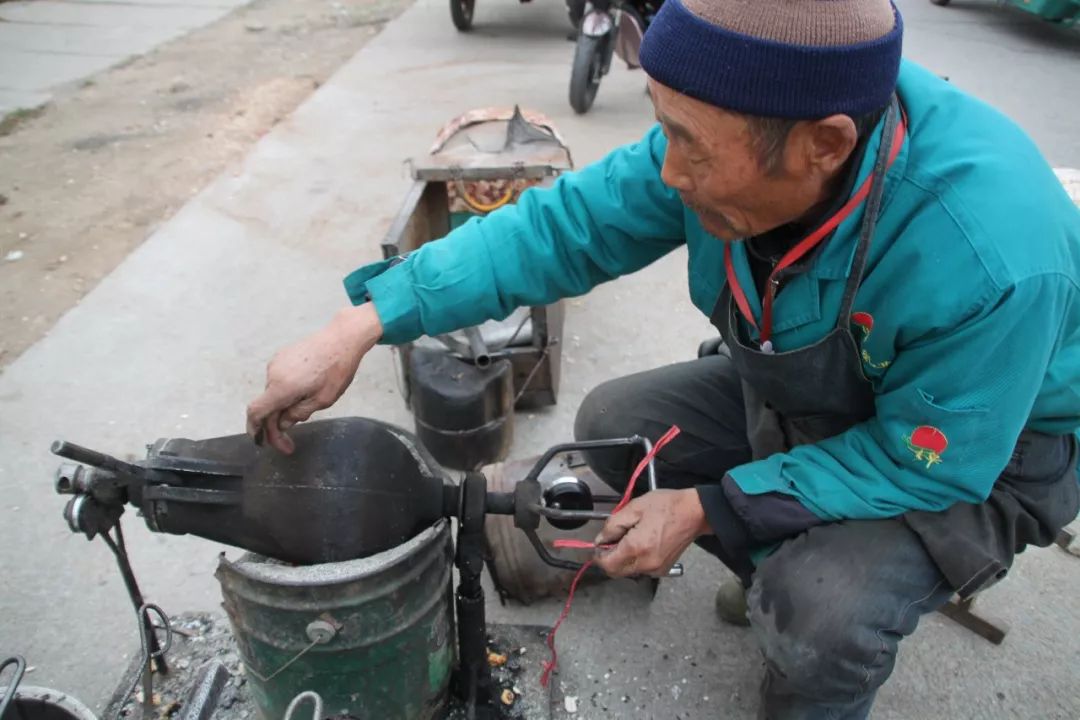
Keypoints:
pixel 540 509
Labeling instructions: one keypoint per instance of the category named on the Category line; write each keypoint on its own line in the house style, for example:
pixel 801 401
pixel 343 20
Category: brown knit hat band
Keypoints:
pixel 818 23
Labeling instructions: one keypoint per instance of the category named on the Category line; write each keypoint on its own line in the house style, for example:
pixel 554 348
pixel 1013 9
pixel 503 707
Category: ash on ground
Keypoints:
pixel 516 655
pixel 198 639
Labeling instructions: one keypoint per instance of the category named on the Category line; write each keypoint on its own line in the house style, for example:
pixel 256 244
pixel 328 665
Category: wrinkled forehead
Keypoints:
pixel 687 116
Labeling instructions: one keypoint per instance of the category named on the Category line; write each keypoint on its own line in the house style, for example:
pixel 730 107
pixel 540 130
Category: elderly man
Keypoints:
pixel 893 270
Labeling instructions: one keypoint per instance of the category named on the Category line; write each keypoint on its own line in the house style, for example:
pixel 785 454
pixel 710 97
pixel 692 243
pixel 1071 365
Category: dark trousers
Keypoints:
pixel 829 606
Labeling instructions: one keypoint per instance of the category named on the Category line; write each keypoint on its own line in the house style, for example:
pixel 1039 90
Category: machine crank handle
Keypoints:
pixel 86 456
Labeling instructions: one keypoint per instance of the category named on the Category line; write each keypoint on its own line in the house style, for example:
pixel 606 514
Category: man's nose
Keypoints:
pixel 675 176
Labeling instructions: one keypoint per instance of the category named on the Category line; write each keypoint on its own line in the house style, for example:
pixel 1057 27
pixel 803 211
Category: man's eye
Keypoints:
pixel 699 161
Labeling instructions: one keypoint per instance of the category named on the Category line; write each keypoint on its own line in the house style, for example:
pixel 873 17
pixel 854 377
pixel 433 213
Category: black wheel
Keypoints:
pixel 585 73
pixel 941 2
pixel 461 12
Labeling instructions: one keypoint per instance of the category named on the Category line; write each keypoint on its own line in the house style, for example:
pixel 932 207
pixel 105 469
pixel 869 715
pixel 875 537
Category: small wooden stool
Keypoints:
pixel 962 611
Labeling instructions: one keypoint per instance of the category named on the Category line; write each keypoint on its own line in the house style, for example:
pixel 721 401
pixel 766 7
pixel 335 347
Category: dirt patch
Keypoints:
pixel 13 120
pixel 88 177
pixel 199 640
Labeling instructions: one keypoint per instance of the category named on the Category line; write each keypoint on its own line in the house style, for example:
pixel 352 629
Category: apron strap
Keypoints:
pixel 873 207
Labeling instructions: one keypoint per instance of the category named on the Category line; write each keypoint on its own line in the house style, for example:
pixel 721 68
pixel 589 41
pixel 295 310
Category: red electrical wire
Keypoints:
pixel 551 664
pixel 801 249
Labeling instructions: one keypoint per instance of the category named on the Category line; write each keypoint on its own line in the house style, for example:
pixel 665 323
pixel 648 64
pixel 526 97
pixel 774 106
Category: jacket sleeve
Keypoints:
pixel 608 219
pixel 948 412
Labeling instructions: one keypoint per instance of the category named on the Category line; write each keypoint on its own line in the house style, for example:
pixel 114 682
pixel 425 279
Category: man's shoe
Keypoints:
pixel 731 603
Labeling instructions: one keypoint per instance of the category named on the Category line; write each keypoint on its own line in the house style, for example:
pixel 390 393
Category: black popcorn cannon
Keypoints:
pixel 346 591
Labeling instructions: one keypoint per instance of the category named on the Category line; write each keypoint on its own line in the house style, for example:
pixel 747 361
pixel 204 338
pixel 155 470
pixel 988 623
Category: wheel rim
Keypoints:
pixel 467 8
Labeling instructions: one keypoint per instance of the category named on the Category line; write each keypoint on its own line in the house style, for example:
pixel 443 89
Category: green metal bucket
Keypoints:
pixel 374 637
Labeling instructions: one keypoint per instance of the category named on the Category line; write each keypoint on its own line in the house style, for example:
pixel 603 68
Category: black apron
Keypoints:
pixel 813 393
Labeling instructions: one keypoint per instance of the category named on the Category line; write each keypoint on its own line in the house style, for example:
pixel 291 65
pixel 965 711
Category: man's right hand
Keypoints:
pixel 312 374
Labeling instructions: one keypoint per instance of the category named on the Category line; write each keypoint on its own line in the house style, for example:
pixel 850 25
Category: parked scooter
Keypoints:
pixel 462 12
pixel 609 27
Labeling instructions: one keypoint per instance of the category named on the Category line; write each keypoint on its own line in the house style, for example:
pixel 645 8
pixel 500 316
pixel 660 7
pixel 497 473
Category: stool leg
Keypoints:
pixel 1066 541
pixel 961 611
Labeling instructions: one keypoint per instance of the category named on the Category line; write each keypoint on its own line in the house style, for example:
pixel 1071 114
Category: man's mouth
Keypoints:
pixel 691 204
pixel 702 212
pixel 706 217
pixel 711 221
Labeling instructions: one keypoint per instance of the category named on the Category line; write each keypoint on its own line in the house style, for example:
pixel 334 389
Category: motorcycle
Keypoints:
pixel 608 28
pixel 462 12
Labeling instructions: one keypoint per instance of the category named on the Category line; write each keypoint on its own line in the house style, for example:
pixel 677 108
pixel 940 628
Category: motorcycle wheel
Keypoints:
pixel 461 12
pixel 585 72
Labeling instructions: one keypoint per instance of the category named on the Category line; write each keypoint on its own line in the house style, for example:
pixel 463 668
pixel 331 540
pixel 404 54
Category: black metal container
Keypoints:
pixel 463 412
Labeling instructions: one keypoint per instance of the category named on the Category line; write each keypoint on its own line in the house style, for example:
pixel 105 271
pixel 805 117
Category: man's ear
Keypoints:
pixel 825 145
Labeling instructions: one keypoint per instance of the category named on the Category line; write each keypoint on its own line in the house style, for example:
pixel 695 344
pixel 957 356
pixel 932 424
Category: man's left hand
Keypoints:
pixel 651 533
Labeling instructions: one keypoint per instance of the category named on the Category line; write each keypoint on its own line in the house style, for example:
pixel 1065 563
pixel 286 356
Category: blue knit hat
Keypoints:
pixel 798 59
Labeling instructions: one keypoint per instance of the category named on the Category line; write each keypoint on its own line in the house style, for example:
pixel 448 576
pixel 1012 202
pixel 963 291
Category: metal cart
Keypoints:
pixel 462 387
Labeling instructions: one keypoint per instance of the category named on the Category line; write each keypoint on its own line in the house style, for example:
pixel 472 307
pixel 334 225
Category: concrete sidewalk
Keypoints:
pixel 45 44
pixel 173 343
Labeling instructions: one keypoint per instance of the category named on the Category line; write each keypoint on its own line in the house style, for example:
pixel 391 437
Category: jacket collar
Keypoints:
pixel 834 260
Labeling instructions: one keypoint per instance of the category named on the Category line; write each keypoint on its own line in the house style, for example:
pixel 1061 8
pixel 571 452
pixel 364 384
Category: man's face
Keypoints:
pixel 713 164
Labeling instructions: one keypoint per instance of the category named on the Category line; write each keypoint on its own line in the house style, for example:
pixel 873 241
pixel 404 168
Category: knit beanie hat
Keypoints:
pixel 797 59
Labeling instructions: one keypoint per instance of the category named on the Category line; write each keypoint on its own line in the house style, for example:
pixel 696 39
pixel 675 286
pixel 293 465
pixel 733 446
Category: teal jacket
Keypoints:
pixel 968 315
